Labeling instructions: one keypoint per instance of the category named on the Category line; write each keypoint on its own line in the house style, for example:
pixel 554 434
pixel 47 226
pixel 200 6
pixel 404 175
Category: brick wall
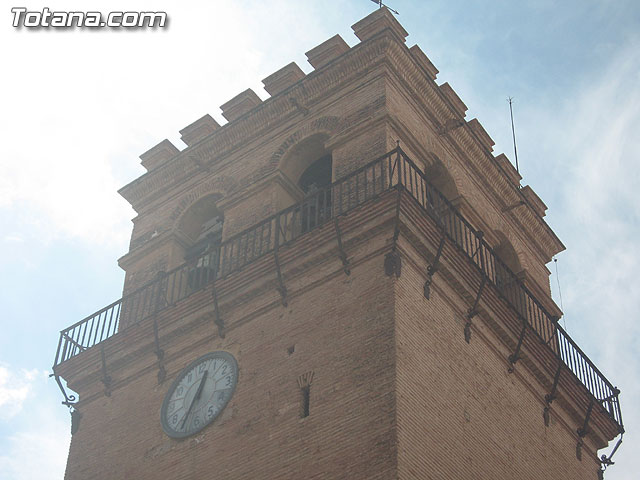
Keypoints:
pixel 460 413
pixel 341 330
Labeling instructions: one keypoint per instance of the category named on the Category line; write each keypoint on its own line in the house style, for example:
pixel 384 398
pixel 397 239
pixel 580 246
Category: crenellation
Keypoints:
pixel 381 19
pixel 327 51
pixel 534 200
pixel 240 104
pixel 421 58
pixel 198 130
pixel 458 105
pixel 158 155
pixel 510 171
pixel 282 79
pixel 481 133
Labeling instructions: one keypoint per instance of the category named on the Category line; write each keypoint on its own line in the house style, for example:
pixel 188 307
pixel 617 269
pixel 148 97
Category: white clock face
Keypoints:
pixel 199 394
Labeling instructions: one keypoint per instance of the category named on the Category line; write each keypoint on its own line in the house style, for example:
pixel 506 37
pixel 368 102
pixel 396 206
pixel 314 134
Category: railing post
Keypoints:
pixel 57 357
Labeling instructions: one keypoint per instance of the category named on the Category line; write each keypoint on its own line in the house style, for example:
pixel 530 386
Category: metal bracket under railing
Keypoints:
pixel 69 400
pixel 551 396
pixel 473 311
pixel 433 267
pixel 515 356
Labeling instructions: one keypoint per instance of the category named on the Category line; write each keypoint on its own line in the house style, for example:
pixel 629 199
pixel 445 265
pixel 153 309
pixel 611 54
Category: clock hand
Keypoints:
pixel 196 397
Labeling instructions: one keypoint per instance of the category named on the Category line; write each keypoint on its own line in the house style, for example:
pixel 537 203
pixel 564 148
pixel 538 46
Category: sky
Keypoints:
pixel 79 107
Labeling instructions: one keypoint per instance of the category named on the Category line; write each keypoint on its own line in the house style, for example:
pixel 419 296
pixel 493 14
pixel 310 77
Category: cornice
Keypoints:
pixel 210 152
pixel 473 151
pixel 152 245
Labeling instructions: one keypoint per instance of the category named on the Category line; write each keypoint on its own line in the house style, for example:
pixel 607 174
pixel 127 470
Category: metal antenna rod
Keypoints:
pixel 513 131
pixel 564 317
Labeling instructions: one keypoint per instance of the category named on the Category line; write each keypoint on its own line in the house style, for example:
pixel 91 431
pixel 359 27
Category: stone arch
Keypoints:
pixel 303 156
pixel 220 187
pixel 506 252
pixel 440 177
pixel 324 126
pixel 194 217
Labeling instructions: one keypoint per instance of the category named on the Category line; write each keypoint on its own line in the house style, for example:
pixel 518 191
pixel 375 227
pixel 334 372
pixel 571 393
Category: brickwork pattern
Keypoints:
pixel 459 413
pixel 349 346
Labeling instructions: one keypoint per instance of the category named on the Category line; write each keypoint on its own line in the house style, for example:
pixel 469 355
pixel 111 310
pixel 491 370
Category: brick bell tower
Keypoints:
pixel 342 282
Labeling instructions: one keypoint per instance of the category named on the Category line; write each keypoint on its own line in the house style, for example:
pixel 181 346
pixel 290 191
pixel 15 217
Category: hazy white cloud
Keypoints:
pixel 15 388
pixel 81 112
pixel 34 445
pixel 13 238
pixel 599 213
pixel 35 454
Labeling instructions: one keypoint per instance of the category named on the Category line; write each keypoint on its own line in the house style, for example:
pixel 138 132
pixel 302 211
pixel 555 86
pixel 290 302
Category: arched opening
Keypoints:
pixel 439 202
pixel 309 165
pixel 507 266
pixel 316 176
pixel 202 225
pixel 314 182
pixel 507 254
pixel 440 178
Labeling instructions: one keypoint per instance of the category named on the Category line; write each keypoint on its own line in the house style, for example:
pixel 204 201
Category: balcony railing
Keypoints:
pixel 391 171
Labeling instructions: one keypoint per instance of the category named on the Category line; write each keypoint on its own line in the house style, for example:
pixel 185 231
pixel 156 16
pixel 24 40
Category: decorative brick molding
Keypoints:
pixel 458 105
pixel 326 125
pixel 156 156
pixel 421 58
pixel 378 21
pixel 283 79
pixel 327 51
pixel 305 379
pixel 240 104
pixel 198 130
pixel 509 170
pixel 482 134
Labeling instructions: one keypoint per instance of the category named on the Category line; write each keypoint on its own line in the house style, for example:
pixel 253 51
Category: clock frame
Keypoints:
pixel 199 394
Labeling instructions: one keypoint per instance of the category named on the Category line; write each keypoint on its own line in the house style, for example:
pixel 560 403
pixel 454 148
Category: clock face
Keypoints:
pixel 199 394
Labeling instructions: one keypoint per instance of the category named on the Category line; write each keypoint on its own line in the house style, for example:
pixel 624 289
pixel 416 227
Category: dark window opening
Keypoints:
pixel 204 253
pixel 317 176
pixel 305 401
pixel 314 182
pixel 507 266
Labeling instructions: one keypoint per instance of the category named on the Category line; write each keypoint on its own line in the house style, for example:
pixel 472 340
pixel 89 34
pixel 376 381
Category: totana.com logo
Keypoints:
pixel 58 19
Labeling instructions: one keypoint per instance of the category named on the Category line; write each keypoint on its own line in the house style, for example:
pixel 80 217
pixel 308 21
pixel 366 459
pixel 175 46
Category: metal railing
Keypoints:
pixel 393 170
pixel 518 296
pixel 232 255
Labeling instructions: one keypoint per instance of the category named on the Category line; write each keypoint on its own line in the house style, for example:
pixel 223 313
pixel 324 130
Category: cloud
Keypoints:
pixel 599 215
pixel 15 388
pixel 79 113
pixel 34 428
pixel 34 454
